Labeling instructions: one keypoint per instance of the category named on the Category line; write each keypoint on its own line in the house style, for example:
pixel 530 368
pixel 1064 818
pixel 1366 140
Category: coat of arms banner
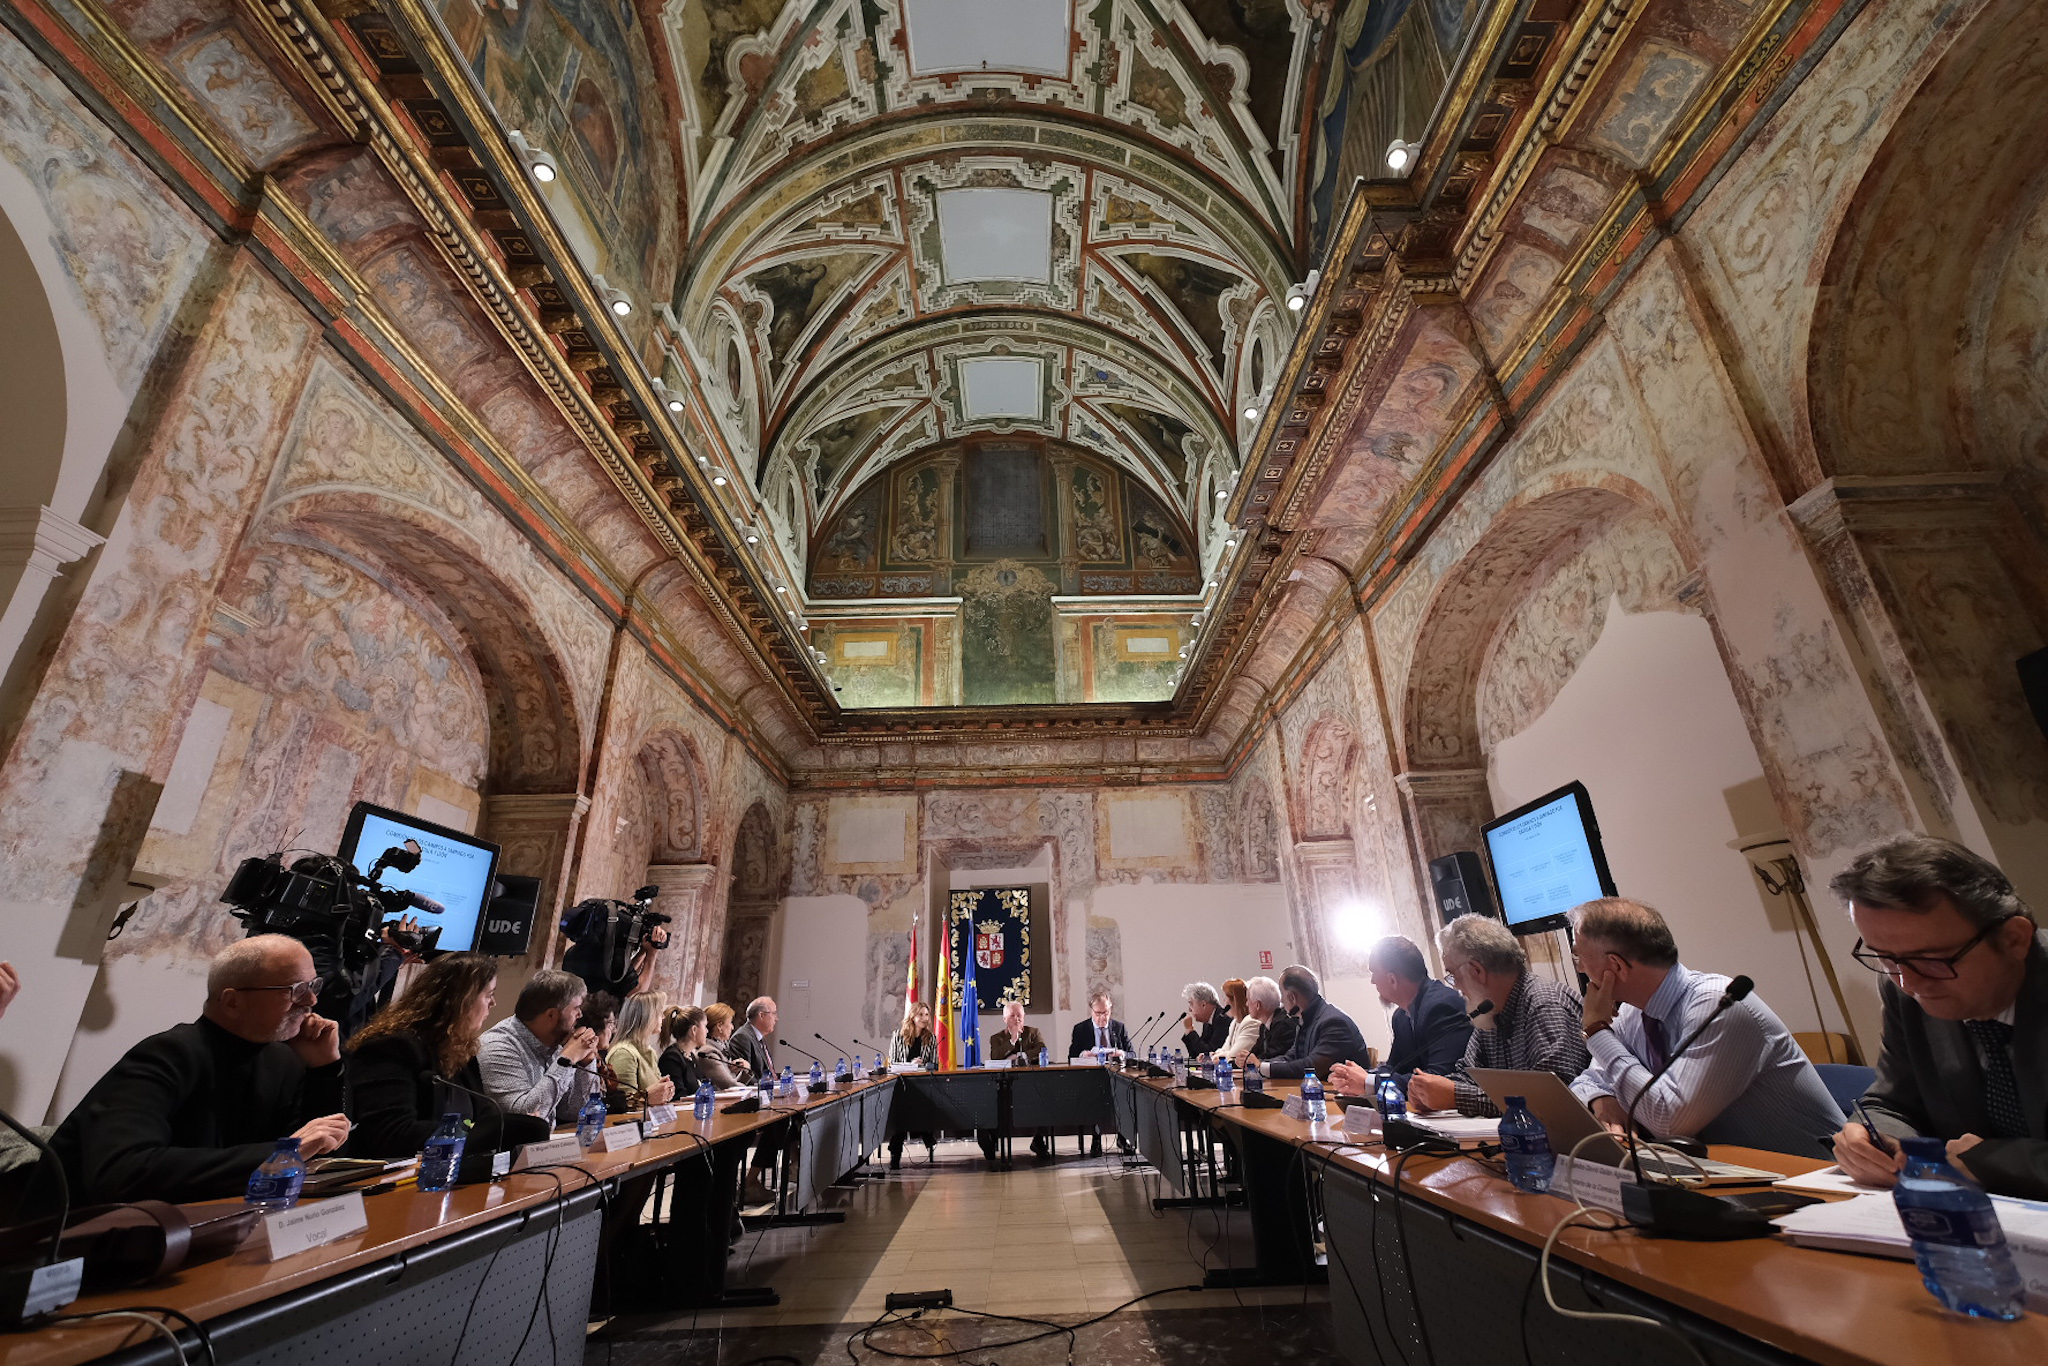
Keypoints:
pixel 994 924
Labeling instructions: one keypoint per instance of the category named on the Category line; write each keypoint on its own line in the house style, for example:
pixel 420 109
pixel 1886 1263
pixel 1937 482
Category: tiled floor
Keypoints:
pixel 1064 1240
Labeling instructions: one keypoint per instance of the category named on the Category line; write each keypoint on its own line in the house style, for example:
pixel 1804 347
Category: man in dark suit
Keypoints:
pixel 1965 992
pixel 1100 1031
pixel 1431 1027
pixel 187 1114
pixel 1326 1036
pixel 1207 1022
pixel 1022 1044
pixel 749 1043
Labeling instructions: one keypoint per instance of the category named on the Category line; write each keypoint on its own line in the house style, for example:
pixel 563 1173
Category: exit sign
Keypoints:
pixel 1265 958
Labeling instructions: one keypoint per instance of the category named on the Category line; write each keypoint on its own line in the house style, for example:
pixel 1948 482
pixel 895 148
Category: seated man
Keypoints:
pixel 1100 1033
pixel 1743 1081
pixel 1276 1027
pixel 1207 1023
pixel 539 1062
pixel 187 1114
pixel 1965 996
pixel 1325 1037
pixel 1431 1027
pixel 1534 1024
pixel 1022 1043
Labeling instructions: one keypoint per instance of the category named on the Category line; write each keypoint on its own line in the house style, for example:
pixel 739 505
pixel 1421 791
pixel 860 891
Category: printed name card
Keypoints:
pixel 501 1163
pixel 314 1224
pixel 551 1152
pixel 1362 1121
pixel 1594 1184
pixel 1294 1107
pixel 659 1117
pixel 617 1136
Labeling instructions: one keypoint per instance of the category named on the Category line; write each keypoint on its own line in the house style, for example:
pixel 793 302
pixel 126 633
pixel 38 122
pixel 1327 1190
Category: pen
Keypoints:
pixel 1877 1137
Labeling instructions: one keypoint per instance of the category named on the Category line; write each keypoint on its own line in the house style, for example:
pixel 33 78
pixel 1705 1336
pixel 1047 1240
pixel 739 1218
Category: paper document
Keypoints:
pixel 1827 1181
pixel 1461 1128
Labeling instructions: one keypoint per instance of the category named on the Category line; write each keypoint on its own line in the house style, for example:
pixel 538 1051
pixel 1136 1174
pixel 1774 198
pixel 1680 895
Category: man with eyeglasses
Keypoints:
pixel 1965 992
pixel 187 1114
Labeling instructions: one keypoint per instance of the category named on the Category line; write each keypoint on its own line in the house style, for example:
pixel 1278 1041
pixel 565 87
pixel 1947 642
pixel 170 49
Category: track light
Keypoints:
pixel 614 298
pixel 1298 295
pixel 1401 155
pixel 718 481
pixel 668 396
pixel 782 588
pixel 539 164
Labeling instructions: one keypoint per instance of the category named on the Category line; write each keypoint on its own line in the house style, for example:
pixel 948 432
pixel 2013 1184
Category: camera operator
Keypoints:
pixel 613 943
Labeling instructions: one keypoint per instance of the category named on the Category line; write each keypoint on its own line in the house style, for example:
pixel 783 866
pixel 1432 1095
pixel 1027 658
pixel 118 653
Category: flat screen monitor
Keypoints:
pixel 1546 859
pixel 455 869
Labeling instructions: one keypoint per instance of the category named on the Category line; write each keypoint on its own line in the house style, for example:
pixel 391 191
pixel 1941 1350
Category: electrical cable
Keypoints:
pixel 198 1329
pixel 157 1326
pixel 1068 1331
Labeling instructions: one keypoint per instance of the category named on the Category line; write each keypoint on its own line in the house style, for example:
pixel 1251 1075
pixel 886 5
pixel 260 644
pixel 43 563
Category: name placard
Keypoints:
pixel 617 1136
pixel 550 1152
pixel 314 1224
pixel 1362 1121
pixel 1594 1184
pixel 659 1117
pixel 1294 1107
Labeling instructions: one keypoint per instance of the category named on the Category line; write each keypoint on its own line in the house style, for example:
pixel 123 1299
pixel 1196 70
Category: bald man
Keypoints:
pixel 187 1114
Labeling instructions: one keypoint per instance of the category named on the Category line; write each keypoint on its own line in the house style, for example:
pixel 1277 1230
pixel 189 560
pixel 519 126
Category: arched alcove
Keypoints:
pixel 756 893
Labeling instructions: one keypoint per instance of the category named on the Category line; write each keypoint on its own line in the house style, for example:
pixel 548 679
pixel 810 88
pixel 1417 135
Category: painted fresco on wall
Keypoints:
pixel 1006 651
pixel 1393 60
pixel 1135 660
pixel 577 80
pixel 874 663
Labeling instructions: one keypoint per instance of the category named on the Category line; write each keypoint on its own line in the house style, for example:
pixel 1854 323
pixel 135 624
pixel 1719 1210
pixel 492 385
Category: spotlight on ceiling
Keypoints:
pixel 1251 412
pixel 1223 493
pixel 614 298
pixel 1298 295
pixel 1401 155
pixel 539 164
pixel 782 588
pixel 718 481
pixel 753 536
pixel 668 396
pixel 1230 544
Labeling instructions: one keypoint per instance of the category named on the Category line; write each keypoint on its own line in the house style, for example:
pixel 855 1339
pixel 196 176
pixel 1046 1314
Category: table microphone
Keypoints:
pixel 503 1144
pixel 884 1068
pixel 794 1049
pixel 1673 1210
pixel 823 1040
pixel 1483 1008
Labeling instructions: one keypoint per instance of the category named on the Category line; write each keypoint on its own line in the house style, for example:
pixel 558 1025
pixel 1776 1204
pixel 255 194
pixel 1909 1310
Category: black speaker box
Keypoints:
pixel 508 920
pixel 1459 881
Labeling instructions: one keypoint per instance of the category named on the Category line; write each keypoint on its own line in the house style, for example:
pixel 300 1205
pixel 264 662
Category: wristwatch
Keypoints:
pixel 1604 1024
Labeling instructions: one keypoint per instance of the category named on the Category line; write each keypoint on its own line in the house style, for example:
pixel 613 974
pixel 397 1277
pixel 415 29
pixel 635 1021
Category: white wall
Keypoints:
pixel 1174 933
pixel 819 983
pixel 1651 726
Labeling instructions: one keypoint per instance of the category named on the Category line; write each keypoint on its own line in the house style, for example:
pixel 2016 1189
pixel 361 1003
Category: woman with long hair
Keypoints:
pixel 1244 1030
pixel 719 1019
pixel 415 1061
pixel 633 1058
pixel 914 1042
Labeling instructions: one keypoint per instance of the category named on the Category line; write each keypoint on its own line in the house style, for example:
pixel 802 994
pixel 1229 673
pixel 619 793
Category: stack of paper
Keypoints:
pixel 1870 1224
pixel 1466 1132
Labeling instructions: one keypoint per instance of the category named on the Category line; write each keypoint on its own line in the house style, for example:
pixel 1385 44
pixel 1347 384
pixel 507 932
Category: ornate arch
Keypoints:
pixel 758 879
pixel 1329 758
pixel 673 796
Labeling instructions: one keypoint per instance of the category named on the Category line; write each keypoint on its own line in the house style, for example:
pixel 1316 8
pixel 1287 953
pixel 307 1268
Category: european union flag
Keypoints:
pixel 970 1006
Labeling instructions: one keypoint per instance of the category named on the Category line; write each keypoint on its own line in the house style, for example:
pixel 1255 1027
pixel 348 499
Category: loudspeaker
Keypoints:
pixel 2034 683
pixel 508 920
pixel 1460 883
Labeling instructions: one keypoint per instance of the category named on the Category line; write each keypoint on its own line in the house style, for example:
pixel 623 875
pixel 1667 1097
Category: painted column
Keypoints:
pixel 688 896
pixel 537 832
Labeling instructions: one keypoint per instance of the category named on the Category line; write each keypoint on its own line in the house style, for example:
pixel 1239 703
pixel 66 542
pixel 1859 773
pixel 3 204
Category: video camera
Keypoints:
pixel 608 937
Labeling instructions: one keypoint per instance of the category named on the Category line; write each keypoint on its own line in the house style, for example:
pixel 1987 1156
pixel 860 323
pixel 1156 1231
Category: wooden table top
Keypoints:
pixel 398 1220
pixel 1833 1307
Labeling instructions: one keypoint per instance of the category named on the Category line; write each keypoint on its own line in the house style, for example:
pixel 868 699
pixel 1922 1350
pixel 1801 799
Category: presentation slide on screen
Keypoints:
pixel 455 874
pixel 1543 862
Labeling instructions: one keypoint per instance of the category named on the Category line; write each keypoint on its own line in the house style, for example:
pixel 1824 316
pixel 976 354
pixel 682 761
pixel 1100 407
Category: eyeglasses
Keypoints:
pixel 303 993
pixel 1934 967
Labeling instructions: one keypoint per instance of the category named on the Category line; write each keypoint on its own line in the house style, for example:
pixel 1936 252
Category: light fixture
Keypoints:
pixel 1195 620
pixel 1212 583
pixel 614 298
pixel 782 588
pixel 1251 412
pixel 1223 493
pixel 539 164
pixel 1298 295
pixel 718 481
pixel 753 536
pixel 668 396
pixel 1401 155
pixel 1230 544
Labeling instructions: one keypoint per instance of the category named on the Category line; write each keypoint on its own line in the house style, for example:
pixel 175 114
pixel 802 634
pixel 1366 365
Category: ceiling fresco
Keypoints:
pixel 883 195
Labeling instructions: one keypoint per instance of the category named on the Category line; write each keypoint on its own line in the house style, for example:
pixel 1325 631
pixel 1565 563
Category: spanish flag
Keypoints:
pixel 942 1007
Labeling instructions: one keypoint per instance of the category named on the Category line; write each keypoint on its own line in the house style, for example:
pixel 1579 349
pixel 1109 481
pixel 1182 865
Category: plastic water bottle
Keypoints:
pixel 707 1097
pixel 1393 1101
pixel 817 1074
pixel 1525 1143
pixel 1045 1057
pixel 840 1075
pixel 1963 1257
pixel 442 1157
pixel 787 1086
pixel 276 1184
pixel 590 1120
pixel 1224 1080
pixel 880 1066
pixel 767 1089
pixel 1312 1096
pixel 1254 1080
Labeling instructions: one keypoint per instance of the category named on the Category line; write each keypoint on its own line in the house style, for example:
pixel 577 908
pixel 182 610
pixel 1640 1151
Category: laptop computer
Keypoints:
pixel 1569 1122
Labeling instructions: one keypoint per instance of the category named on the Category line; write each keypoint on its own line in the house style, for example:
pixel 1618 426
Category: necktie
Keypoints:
pixel 1655 1044
pixel 2002 1115
pixel 1101 1038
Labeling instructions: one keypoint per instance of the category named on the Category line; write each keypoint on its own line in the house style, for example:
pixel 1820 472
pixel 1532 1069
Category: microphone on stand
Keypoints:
pixel 1148 1032
pixel 1674 1210
pixel 879 1052
pixel 480 1170
pixel 823 1040
pixel 794 1049
pixel 1483 1008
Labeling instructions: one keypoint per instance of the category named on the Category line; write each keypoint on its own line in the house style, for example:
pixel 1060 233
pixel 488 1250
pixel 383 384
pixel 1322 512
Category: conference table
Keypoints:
pixel 1430 1260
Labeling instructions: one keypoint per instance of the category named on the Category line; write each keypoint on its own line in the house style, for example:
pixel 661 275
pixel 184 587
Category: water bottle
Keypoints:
pixel 1254 1080
pixel 767 1088
pixel 1525 1143
pixel 1964 1261
pixel 590 1120
pixel 276 1184
pixel 1045 1057
pixel 817 1074
pixel 787 1086
pixel 1312 1096
pixel 442 1157
pixel 880 1066
pixel 707 1096
pixel 1393 1101
pixel 1224 1080
pixel 840 1075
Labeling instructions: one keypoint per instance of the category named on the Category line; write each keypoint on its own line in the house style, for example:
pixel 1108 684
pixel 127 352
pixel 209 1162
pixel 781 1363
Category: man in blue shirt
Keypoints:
pixel 1744 1080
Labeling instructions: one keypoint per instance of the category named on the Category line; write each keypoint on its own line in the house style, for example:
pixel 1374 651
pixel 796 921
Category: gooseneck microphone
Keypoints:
pixel 794 1049
pixel 1483 1008
pixel 1147 1030
pixel 827 1042
pixel 1738 988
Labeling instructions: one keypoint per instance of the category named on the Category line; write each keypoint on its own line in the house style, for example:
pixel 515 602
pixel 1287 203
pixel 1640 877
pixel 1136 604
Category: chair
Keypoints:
pixel 1828 1046
pixel 1845 1081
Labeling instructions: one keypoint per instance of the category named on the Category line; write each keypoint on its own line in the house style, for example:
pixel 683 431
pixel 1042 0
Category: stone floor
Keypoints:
pixel 1062 1242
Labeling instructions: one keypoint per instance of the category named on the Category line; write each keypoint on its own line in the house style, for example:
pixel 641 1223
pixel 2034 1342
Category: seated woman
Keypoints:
pixel 914 1042
pixel 632 1059
pixel 690 1058
pixel 718 1026
pixel 1244 1030
pixel 415 1061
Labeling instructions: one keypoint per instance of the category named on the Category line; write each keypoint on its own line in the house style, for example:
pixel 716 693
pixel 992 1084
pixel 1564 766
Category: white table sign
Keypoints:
pixel 314 1224
pixel 551 1152
pixel 617 1136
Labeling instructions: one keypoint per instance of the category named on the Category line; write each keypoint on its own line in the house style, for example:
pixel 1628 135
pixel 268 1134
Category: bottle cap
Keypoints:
pixel 1515 1100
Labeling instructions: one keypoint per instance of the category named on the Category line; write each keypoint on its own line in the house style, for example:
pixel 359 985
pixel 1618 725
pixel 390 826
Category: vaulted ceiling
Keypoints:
pixel 909 220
